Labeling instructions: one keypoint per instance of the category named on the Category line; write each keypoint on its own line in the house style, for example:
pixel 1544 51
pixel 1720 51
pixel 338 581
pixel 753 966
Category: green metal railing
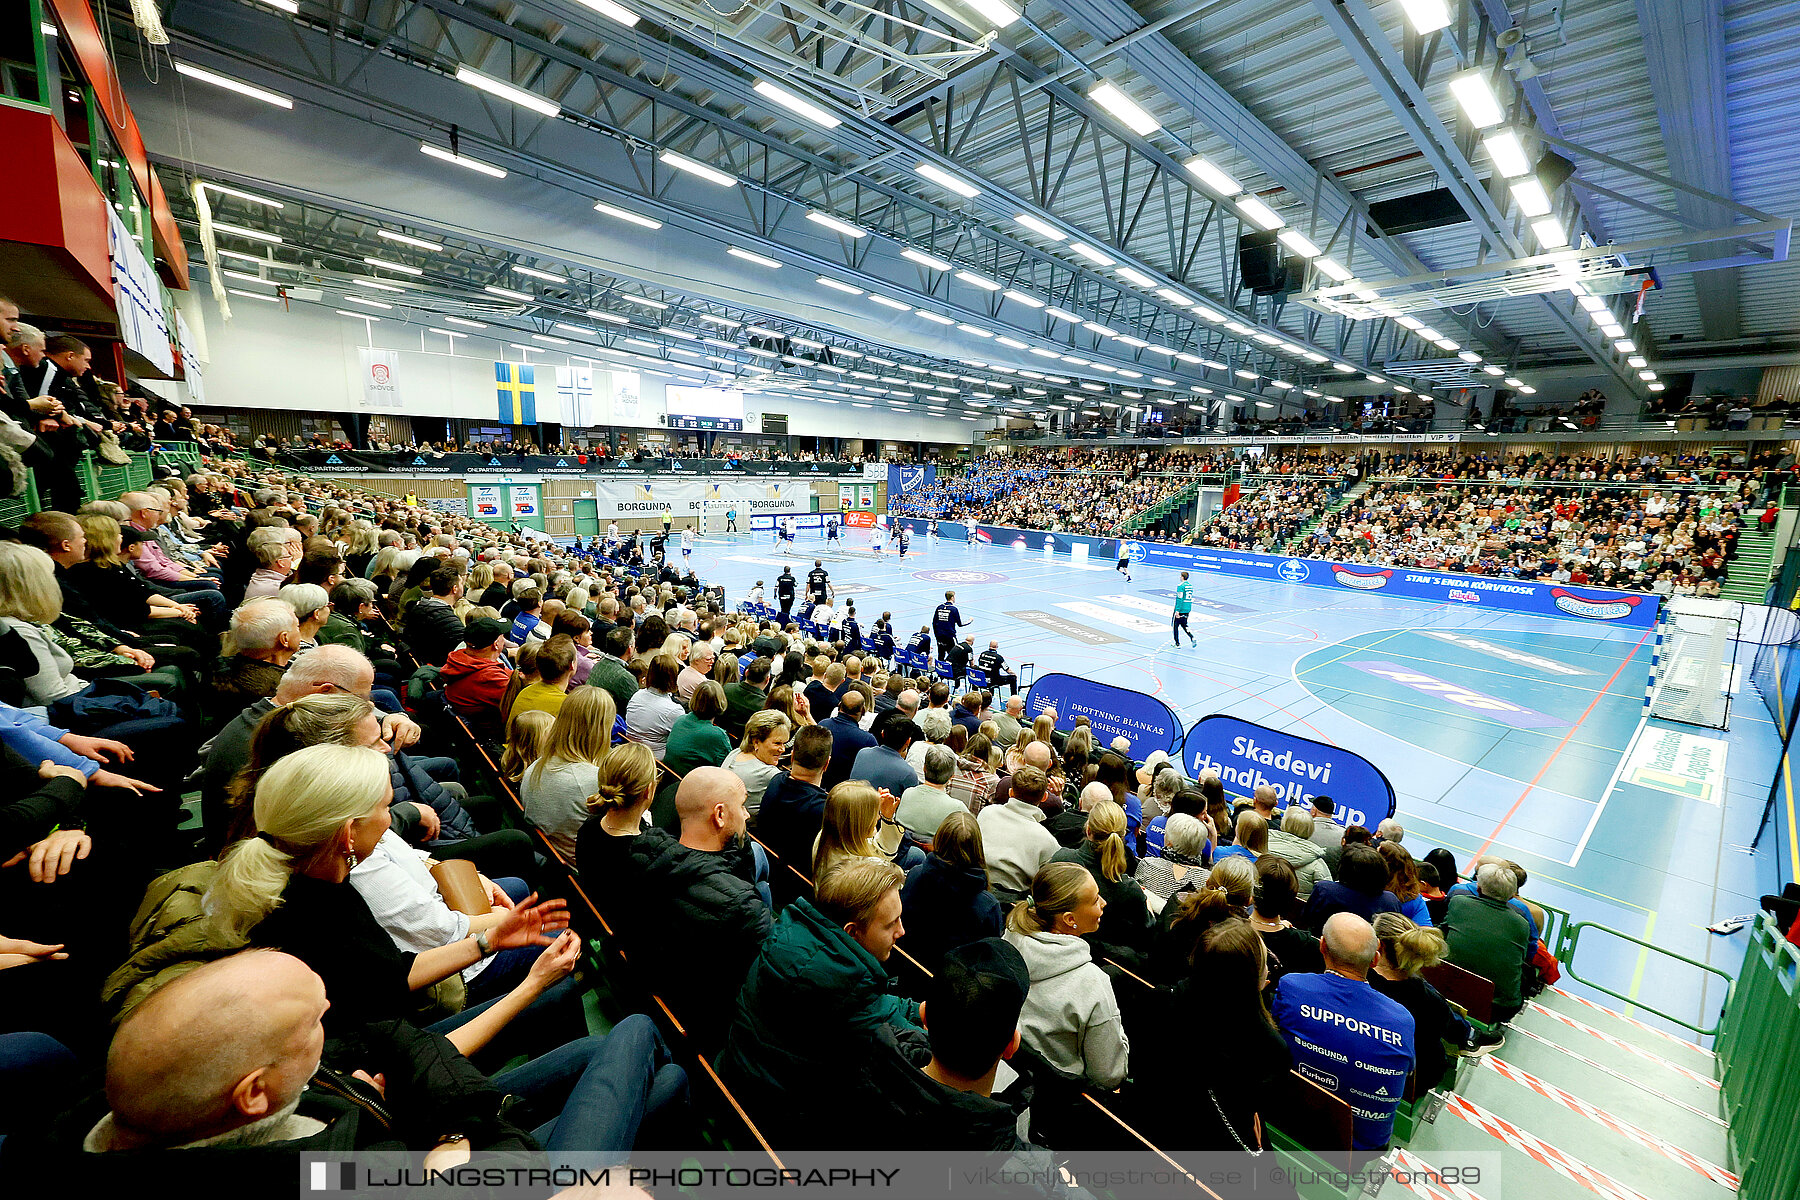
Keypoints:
pixel 99 480
pixel 1573 936
pixel 1758 1049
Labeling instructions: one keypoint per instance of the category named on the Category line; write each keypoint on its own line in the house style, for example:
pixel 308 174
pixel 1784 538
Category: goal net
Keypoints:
pixel 712 516
pixel 1694 670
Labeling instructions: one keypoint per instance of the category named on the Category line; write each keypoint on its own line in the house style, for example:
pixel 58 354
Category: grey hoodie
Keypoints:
pixel 1307 859
pixel 1071 1017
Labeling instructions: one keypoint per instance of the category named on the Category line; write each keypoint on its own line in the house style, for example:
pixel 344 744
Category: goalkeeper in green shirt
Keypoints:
pixel 1184 604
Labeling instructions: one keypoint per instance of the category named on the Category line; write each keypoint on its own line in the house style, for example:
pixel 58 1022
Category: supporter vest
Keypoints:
pixel 1352 1041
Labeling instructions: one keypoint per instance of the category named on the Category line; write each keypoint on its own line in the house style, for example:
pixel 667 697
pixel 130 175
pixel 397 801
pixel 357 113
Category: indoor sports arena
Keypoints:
pixel 1071 600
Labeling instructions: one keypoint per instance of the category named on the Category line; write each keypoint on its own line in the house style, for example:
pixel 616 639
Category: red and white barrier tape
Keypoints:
pixel 1714 1118
pixel 1563 1164
pixel 1622 1044
pixel 1634 1022
pixel 1625 1129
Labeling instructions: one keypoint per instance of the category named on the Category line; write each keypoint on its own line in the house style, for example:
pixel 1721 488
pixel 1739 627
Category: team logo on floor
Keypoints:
pixel 1294 571
pixel 959 576
pixel 1352 578
pixel 1610 609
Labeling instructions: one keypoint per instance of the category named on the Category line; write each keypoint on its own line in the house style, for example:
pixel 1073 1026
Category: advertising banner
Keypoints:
pixel 860 520
pixel 486 502
pixel 1636 610
pixel 143 325
pixel 380 377
pixel 407 462
pixel 1146 722
pixel 1247 755
pixel 525 502
pixel 620 499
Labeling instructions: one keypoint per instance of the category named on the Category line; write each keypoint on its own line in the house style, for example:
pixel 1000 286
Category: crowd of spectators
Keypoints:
pixel 308 932
pixel 1268 515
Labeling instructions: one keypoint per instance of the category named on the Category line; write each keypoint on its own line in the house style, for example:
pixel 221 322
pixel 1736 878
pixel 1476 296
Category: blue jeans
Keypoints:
pixel 548 1022
pixel 762 875
pixel 37 1074
pixel 509 966
pixel 597 1091
pixel 444 770
pixel 387 700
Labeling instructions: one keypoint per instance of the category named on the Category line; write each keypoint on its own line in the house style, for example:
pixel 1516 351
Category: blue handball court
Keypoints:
pixel 1505 733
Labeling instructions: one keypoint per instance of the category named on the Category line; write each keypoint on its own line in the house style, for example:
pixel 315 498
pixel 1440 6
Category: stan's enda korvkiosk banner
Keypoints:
pixel 1248 755
pixel 1146 722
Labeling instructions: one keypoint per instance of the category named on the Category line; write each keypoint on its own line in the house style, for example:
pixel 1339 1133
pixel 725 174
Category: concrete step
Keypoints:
pixel 1648 1064
pixel 1589 1127
pixel 1696 1129
pixel 1679 1051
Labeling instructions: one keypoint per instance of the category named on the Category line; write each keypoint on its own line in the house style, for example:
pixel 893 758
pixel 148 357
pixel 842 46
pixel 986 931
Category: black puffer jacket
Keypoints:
pixel 433 630
pixel 691 922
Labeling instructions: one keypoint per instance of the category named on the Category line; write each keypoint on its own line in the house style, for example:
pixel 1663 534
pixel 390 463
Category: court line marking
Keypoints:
pixel 1470 713
pixel 1643 959
pixel 1560 746
pixel 1611 784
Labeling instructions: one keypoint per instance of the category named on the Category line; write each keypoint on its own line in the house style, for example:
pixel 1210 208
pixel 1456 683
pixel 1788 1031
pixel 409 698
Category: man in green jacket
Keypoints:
pixel 611 672
pixel 814 1000
pixel 1491 938
pixel 745 698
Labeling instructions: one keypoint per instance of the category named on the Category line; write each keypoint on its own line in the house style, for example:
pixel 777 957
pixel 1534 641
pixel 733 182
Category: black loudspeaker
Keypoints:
pixel 1259 262
pixel 1264 270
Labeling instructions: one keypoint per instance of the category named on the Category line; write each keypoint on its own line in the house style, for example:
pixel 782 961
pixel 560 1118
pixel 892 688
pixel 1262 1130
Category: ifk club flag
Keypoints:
pixel 515 385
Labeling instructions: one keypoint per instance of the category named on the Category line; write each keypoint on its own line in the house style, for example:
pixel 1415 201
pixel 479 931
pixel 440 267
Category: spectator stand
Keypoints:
pixel 605 960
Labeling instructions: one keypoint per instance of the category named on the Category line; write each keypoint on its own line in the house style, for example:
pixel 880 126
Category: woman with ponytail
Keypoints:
pixel 1227 892
pixel 1071 1017
pixel 1407 949
pixel 320 812
pixel 624 786
pixel 1103 853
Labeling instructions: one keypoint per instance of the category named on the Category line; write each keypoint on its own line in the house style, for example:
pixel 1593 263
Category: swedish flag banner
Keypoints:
pixel 515 386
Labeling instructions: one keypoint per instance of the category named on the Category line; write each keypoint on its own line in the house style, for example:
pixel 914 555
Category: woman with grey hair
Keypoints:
pixel 312 608
pixel 1184 845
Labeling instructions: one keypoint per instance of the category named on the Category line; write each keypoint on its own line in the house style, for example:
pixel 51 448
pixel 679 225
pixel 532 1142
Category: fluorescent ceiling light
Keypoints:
pixel 1077 361
pixel 1550 233
pixel 1613 329
pixel 1243 374
pixel 1444 344
pixel 1646 375
pixel 1508 153
pixel 1185 357
pixel 1024 298
pixel 1259 213
pixel 566 327
pixel 1096 327
pixel 1134 276
pixel 507 92
pixel 617 12
pixel 1427 16
pixel 1108 96
pixel 370 303
pixel 408 240
pixel 268 296
pixel 507 294
pixel 682 162
pixel 1346 368
pixel 1062 314
pixel 1239 328
pixel 245 232
pixel 1468 356
pixel 1490 369
pixel 379 286
pixel 1267 339
pixel 1637 360
pixel 622 214
pixel 1477 99
pixel 1173 296
pixel 887 303
pixel 748 256
pixel 1514 382
pixel 449 333
pixel 252 197
pixel 837 226
pixel 1140 343
pixel 609 318
pixel 658 305
pixel 385 265
pixel 1214 178
pixel 462 160
pixel 1298 242
pixel 796 104
pixel 1592 304
pixel 1331 268
pixel 1042 228
pixel 465 322
pixel 835 286
pixel 1656 387
pixel 344 312
pixel 946 180
pixel 1379 379
pixel 683 334
pixel 980 281
pixel 1015 343
pixel 926 260
pixel 974 330
pixel 934 318
pixel 251 258
pixel 725 322
pixel 234 85
pixel 554 341
pixel 1091 254
pixel 797 340
pixel 1533 200
pixel 1409 322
